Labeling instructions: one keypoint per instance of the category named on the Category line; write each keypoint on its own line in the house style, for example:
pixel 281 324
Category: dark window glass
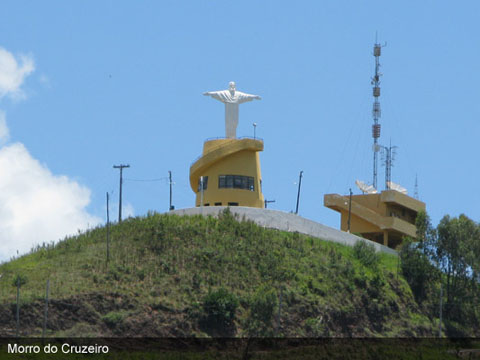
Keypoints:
pixel 207 204
pixel 233 204
pixel 205 183
pixel 244 182
pixel 221 181
pixel 236 182
pixel 218 204
pixel 229 182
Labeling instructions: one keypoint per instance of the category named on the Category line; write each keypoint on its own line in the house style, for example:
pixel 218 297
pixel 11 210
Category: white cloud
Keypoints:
pixel 13 73
pixel 35 205
pixel 4 132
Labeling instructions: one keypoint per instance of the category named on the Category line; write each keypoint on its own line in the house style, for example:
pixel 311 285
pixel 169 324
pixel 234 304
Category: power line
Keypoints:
pixel 148 180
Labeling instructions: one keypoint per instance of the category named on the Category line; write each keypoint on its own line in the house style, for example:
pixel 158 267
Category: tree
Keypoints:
pixel 418 270
pixel 416 259
pixel 457 253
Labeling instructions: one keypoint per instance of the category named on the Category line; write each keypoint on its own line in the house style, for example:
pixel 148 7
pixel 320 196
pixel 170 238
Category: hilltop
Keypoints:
pixel 199 276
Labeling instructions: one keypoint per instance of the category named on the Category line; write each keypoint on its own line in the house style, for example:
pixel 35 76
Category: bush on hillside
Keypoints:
pixel 19 280
pixel 366 254
pixel 220 307
pixel 262 310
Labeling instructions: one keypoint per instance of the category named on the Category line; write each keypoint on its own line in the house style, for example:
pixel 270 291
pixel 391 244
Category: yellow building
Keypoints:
pixel 384 218
pixel 230 169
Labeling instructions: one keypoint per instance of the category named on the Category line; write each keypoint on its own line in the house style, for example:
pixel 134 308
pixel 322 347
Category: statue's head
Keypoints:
pixel 231 86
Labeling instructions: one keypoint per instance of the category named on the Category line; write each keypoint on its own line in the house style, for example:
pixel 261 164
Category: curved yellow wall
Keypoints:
pixel 228 157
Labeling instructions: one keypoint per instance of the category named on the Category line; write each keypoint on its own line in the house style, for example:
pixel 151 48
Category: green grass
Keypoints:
pixel 171 262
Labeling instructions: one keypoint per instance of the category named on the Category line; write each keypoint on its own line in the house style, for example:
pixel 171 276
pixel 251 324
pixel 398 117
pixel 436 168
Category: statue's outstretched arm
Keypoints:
pixel 243 97
pixel 218 95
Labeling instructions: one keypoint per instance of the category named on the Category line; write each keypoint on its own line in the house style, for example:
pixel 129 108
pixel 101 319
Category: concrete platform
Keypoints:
pixel 274 219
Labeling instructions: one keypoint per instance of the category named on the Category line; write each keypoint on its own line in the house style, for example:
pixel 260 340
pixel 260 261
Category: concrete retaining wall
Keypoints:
pixel 280 220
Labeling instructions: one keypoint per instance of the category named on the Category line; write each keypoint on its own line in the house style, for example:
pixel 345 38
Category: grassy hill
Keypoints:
pixel 195 276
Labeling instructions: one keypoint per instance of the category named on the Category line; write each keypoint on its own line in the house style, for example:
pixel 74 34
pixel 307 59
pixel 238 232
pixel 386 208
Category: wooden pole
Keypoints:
pixel 121 167
pixel 108 229
pixel 298 194
pixel 18 306
pixel 45 317
pixel 170 182
pixel 440 320
pixel 279 309
pixel 349 210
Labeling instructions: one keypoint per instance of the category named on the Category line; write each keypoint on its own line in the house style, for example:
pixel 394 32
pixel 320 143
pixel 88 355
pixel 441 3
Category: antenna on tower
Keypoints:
pixel 416 187
pixel 388 157
pixel 376 111
pixel 369 189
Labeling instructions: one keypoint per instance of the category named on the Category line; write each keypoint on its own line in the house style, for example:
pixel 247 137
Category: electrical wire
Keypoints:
pixel 148 180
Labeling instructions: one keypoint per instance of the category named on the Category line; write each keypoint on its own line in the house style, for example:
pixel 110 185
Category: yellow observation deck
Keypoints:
pixel 385 218
pixel 231 173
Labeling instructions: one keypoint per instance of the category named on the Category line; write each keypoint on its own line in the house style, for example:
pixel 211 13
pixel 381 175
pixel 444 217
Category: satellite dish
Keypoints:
pixel 369 189
pixel 396 187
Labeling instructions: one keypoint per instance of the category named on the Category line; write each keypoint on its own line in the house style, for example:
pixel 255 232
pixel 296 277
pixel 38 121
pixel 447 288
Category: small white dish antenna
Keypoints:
pixel 369 189
pixel 396 187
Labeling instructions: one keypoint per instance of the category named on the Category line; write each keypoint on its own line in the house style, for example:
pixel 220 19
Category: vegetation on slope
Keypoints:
pixel 445 263
pixel 196 276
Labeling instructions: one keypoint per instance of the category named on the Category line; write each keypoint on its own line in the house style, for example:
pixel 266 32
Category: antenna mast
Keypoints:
pixel 376 112
pixel 416 187
pixel 388 154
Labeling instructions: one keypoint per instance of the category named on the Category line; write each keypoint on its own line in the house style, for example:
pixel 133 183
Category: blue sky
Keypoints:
pixel 121 82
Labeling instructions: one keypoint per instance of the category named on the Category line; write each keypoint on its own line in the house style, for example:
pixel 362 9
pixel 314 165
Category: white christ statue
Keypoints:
pixel 231 98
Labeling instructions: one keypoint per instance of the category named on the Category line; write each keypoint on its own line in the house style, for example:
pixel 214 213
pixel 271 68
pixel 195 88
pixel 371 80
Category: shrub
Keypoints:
pixel 19 280
pixel 366 254
pixel 219 307
pixel 262 309
pixel 113 319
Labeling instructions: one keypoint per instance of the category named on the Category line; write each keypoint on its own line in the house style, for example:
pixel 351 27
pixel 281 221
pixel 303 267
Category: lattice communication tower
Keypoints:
pixel 388 157
pixel 376 111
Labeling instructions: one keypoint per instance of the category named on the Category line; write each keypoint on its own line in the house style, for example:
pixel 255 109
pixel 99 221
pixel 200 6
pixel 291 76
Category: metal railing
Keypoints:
pixel 219 146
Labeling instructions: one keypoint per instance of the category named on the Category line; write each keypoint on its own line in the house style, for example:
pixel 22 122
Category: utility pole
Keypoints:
pixel 349 210
pixel 298 194
pixel 170 181
pixel 45 316
pixel 18 306
pixel 440 320
pixel 268 202
pixel 121 167
pixel 279 308
pixel 201 191
pixel 108 228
